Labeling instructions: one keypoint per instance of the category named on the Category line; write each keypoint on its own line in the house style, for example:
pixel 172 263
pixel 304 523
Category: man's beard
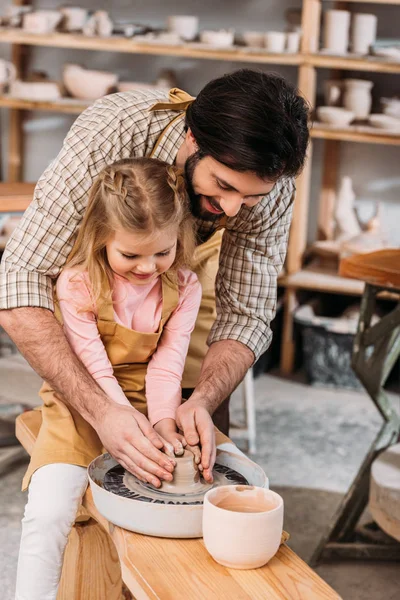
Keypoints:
pixel 195 199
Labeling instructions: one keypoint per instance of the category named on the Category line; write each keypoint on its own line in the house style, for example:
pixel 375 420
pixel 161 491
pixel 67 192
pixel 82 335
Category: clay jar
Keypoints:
pixel 186 476
pixel 357 97
pixel 242 525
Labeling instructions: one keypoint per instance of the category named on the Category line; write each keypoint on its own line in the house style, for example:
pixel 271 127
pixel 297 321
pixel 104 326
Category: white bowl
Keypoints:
pixel 88 85
pixel 384 122
pixel 334 115
pixel 186 27
pixel 35 90
pixel 222 38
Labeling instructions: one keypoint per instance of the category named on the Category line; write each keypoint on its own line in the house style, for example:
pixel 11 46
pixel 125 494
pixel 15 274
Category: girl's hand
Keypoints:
pixel 174 441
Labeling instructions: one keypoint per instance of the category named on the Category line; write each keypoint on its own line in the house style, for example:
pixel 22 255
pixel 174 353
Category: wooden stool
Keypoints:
pixel 376 349
pixel 100 555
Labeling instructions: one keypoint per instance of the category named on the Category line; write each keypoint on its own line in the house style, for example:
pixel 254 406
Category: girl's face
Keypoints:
pixel 140 257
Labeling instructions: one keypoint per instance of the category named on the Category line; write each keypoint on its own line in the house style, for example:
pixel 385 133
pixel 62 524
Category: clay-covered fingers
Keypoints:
pixel 195 450
pixel 205 427
pixel 148 431
pixel 136 462
pixel 138 472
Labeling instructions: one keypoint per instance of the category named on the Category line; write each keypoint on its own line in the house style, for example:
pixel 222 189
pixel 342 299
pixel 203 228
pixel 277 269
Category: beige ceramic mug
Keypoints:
pixel 242 525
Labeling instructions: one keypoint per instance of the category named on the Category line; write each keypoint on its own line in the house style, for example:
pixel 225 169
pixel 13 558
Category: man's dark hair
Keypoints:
pixel 252 121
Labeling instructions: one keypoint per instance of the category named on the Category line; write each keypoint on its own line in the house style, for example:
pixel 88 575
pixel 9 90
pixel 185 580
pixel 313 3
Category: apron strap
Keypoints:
pixel 170 295
pixel 178 100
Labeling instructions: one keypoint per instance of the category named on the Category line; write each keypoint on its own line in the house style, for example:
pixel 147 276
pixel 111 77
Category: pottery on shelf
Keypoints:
pixel 242 525
pixel 35 90
pixel 8 74
pixel 363 32
pixel 293 41
pixel 357 97
pixel 336 31
pixel 14 15
pixel 275 41
pixel 221 39
pixel 391 107
pixel 346 221
pixel 333 91
pixel 41 21
pixel 74 18
pixel 386 122
pixel 88 85
pixel 187 27
pixel 254 39
pixel 335 115
pixel 99 24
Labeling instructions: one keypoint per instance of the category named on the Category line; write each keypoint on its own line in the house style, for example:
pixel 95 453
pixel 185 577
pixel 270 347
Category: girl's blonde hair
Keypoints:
pixel 139 195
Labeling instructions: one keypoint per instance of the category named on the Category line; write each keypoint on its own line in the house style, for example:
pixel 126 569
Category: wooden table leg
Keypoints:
pixel 91 568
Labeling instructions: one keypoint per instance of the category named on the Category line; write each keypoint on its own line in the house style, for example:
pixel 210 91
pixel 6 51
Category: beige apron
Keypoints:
pixel 204 264
pixel 65 436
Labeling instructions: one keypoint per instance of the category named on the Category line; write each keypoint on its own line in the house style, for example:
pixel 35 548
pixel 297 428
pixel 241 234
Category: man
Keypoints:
pixel 241 143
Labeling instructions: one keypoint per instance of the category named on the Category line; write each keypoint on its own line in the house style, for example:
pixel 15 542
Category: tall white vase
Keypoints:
pixel 336 31
pixel 357 97
pixel 363 32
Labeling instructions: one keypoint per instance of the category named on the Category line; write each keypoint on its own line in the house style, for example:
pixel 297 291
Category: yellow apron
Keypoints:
pixel 65 436
pixel 205 261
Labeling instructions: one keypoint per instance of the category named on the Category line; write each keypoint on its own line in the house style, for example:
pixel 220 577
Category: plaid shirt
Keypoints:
pixel 121 126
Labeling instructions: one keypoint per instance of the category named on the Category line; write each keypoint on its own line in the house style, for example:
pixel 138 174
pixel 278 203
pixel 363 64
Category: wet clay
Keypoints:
pixel 186 476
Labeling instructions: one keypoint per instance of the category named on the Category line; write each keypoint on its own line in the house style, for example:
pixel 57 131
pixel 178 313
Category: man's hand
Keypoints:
pixel 128 436
pixel 197 426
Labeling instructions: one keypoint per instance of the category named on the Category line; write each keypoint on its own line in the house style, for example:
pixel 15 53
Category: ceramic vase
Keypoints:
pixel 336 31
pixel 363 32
pixel 357 97
pixel 242 525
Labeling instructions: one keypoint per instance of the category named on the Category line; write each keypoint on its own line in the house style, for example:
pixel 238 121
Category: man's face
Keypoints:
pixel 215 189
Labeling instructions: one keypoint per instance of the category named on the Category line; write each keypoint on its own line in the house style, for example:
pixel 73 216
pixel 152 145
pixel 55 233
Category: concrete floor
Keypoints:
pixel 310 443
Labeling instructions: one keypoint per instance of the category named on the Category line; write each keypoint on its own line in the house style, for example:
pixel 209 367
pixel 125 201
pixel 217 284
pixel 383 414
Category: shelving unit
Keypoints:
pixel 307 61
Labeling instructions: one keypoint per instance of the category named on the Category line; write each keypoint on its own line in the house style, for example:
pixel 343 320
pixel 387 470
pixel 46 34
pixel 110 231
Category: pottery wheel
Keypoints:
pixel 122 483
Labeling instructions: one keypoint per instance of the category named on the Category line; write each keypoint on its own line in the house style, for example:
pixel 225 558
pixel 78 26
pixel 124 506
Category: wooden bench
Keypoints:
pixel 100 556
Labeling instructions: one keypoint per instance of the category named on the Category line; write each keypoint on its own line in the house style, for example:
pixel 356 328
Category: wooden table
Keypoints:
pixel 99 555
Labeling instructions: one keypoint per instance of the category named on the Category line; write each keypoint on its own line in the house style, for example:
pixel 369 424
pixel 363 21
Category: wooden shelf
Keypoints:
pixel 370 63
pixel 354 134
pixel 120 44
pixel 67 106
pixel 15 197
pixel 322 281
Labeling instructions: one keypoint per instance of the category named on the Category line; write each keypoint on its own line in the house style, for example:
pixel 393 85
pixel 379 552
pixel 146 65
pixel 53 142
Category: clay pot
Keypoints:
pixel 88 85
pixel 357 97
pixel 336 31
pixel 41 21
pixel 186 27
pixel 363 32
pixel 275 41
pixel 334 115
pixel 242 525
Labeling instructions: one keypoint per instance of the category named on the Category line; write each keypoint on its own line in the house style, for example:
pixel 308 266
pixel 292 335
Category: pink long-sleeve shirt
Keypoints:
pixel 138 307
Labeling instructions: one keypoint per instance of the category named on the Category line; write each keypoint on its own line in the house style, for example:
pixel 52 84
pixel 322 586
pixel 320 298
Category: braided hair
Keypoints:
pixel 139 195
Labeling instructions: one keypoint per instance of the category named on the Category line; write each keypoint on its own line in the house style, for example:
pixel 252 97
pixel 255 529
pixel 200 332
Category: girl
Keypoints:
pixel 128 306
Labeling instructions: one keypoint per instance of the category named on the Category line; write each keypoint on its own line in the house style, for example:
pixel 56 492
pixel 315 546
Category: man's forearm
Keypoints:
pixel 225 365
pixel 41 340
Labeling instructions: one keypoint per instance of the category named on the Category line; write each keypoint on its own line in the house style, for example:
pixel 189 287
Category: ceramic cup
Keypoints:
pixel 363 32
pixel 242 525
pixel 75 17
pixel 336 31
pixel 293 41
pixel 275 41
pixel 187 27
pixel 254 39
pixel 357 97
